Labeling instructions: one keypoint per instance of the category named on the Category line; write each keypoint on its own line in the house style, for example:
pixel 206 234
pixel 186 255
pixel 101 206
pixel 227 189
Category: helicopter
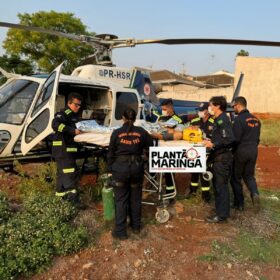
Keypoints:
pixel 28 103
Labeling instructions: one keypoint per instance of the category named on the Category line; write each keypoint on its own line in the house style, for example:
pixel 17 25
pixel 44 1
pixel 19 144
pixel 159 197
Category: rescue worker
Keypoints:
pixel 167 135
pixel 205 123
pixel 64 149
pixel 167 112
pixel 246 128
pixel 220 157
pixel 125 162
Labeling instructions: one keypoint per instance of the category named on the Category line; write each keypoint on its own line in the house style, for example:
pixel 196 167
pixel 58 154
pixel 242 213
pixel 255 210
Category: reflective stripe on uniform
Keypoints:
pixel 67 111
pixel 170 187
pixel 60 127
pixel 68 170
pixel 69 150
pixel 57 143
pixel 205 189
pixel 176 118
pixel 60 194
pixel 195 120
pixel 211 120
pixel 194 184
pixel 156 114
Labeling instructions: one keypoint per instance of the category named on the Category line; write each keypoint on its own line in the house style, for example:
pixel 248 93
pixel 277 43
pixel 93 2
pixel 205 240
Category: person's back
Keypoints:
pixel 132 142
pixel 126 164
pixel 246 128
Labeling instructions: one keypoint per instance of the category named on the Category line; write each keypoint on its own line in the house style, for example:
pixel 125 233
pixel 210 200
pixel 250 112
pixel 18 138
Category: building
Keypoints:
pixel 189 88
pixel 261 83
pixel 218 79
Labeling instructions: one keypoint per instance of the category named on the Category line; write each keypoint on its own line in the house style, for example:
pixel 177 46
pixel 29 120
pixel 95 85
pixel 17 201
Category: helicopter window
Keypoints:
pixel 5 138
pixel 124 101
pixel 15 100
pixel 45 93
pixel 37 126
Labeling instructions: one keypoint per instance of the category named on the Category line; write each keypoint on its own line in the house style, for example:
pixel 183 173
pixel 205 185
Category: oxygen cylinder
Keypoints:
pixel 108 199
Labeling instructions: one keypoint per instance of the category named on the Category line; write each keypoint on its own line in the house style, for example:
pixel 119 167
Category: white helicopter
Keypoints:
pixel 28 103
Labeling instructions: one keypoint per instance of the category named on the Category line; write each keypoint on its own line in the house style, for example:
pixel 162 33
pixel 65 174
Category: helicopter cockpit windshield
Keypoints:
pixel 15 100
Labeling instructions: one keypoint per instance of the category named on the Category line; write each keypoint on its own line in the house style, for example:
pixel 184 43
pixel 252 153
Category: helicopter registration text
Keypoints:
pixel 106 73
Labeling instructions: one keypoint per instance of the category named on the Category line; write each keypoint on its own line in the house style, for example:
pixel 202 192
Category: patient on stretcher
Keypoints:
pixel 168 134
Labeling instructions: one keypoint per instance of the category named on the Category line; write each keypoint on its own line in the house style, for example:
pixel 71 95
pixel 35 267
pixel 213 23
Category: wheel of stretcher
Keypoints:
pixel 162 215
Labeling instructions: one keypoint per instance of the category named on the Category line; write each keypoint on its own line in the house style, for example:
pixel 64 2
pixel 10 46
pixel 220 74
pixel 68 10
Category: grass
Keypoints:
pixel 258 240
pixel 270 132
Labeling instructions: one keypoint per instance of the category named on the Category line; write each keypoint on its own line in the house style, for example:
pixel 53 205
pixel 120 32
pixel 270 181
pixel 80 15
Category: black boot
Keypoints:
pixel 206 196
pixel 192 192
pixel 74 199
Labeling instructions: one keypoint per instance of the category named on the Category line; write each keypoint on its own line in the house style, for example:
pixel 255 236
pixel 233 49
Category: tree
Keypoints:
pixel 48 51
pixel 15 64
pixel 242 53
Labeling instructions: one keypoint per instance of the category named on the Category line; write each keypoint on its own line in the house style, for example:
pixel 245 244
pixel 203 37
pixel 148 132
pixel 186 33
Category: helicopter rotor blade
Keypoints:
pixel 41 30
pixel 92 41
pixel 110 42
pixel 131 42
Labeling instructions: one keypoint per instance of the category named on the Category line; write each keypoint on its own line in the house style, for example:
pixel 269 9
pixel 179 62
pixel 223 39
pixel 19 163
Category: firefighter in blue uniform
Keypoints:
pixel 125 162
pixel 205 123
pixel 220 158
pixel 64 149
pixel 246 128
pixel 168 113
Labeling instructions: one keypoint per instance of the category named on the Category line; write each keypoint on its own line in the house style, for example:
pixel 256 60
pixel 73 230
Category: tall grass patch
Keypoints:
pixel 270 130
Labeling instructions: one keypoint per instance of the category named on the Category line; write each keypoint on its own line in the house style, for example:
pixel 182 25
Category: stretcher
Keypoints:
pixel 158 187
pixel 156 180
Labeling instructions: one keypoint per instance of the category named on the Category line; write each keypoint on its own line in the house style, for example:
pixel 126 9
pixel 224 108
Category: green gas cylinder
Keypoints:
pixel 108 199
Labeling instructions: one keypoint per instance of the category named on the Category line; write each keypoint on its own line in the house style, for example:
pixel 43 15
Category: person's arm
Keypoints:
pixel 111 152
pixel 260 126
pixel 148 140
pixel 59 125
pixel 226 138
pixel 237 130
pixel 157 136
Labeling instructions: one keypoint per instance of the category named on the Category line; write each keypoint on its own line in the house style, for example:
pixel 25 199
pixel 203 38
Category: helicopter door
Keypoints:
pixel 38 124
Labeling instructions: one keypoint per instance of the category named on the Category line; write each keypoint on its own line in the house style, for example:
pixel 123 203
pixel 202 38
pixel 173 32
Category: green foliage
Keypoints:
pixel 251 244
pixel 270 132
pixel 242 53
pixel 270 201
pixel 259 249
pixel 32 237
pixel 13 63
pixel 43 181
pixel 4 208
pixel 207 258
pixel 247 247
pixel 42 229
pixel 48 51
pixel 2 80
pixel 92 192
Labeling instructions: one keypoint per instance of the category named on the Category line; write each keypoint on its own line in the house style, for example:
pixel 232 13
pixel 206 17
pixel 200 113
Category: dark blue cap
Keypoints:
pixel 203 106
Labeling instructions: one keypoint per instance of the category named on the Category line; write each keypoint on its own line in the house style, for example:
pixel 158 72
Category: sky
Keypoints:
pixel 160 19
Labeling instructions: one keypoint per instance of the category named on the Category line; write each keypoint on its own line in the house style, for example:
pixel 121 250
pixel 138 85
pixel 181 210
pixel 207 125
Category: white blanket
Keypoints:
pixel 101 139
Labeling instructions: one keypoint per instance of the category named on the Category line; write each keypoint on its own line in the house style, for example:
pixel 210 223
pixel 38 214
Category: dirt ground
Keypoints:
pixel 268 168
pixel 164 251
